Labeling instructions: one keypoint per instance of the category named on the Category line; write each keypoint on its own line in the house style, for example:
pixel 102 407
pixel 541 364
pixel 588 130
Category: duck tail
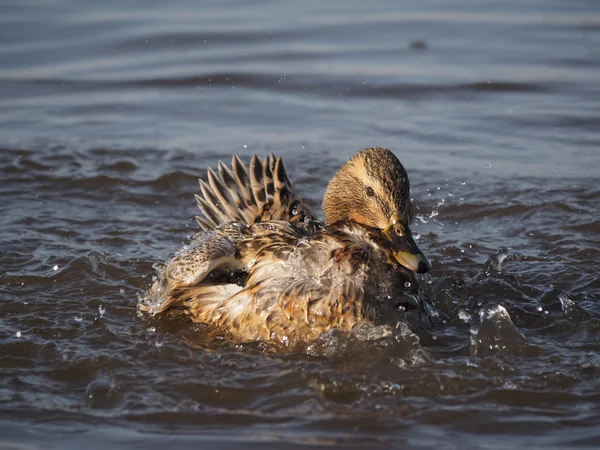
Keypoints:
pixel 202 303
pixel 248 195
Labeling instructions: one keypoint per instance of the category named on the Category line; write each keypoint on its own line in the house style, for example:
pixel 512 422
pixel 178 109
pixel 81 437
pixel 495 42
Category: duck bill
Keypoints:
pixel 406 250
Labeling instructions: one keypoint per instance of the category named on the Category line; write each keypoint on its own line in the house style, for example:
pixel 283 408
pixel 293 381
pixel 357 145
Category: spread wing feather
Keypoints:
pixel 251 194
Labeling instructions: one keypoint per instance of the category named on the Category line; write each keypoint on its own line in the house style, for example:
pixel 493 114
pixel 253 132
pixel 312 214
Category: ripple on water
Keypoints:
pixel 110 115
pixel 516 329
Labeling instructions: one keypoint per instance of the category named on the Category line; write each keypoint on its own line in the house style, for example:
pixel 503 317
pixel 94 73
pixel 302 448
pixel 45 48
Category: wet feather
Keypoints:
pixel 263 267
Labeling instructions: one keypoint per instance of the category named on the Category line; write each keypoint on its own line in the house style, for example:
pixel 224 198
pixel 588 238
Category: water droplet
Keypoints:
pixel 101 310
pixel 570 309
pixel 422 218
pixel 122 291
pixel 539 309
pixel 78 318
pixel 407 284
pixel 464 315
pixel 18 334
pixel 494 312
pixel 55 267
pixel 151 329
pixel 473 330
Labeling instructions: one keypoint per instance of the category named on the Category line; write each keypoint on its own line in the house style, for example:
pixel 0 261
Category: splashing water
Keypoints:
pixel 572 311
pixel 464 315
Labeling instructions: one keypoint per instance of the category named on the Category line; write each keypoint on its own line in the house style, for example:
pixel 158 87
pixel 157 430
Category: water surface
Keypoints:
pixel 109 113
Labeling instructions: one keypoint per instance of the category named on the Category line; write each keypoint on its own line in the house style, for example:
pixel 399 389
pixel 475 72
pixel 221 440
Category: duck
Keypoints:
pixel 264 267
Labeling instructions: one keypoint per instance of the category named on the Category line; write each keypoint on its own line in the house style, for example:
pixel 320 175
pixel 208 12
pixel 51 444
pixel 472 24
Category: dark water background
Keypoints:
pixel 110 111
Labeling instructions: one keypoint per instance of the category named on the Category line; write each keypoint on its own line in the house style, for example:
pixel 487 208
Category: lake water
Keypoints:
pixel 109 113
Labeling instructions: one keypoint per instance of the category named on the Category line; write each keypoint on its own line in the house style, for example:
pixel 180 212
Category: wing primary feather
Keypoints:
pixel 213 202
pixel 204 224
pixel 241 194
pixel 284 176
pixel 280 177
pixel 229 182
pixel 268 180
pixel 282 187
pixel 226 177
pixel 256 181
pixel 206 210
pixel 217 187
pixel 227 204
pixel 242 180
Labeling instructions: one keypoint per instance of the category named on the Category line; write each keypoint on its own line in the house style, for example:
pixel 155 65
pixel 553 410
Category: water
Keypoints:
pixel 110 112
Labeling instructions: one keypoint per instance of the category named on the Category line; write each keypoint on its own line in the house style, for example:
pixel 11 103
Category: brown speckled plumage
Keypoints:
pixel 265 269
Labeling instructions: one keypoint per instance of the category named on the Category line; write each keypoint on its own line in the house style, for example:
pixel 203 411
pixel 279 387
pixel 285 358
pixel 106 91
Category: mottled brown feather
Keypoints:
pixel 263 269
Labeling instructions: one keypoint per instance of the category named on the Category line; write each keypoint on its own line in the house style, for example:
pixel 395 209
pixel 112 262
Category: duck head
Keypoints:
pixel 372 189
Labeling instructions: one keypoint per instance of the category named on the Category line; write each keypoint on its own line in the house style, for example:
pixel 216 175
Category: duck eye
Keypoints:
pixel 369 191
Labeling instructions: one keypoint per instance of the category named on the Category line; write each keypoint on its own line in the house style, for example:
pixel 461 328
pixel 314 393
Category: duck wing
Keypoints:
pixel 247 195
pixel 206 255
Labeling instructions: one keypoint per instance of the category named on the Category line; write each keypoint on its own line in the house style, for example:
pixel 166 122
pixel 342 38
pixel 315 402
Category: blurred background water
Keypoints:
pixel 110 111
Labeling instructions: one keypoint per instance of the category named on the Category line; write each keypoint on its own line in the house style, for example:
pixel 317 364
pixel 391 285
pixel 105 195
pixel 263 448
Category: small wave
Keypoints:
pixel 299 83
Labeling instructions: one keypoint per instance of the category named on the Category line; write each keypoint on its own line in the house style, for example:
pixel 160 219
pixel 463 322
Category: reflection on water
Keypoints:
pixel 108 115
